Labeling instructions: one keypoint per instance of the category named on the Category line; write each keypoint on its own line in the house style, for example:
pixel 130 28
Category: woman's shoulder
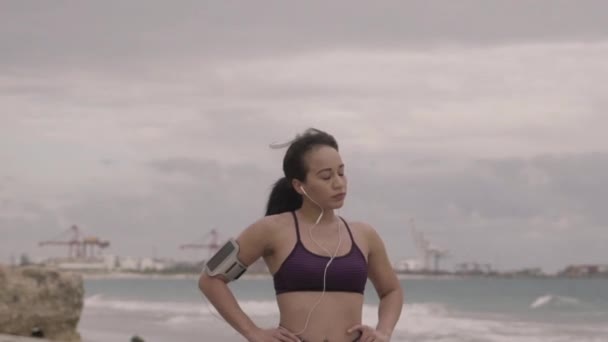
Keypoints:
pixel 270 223
pixel 363 229
pixel 360 226
pixel 264 232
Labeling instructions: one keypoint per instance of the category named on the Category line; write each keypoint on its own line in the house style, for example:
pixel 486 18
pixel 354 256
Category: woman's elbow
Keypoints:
pixel 206 282
pixel 395 293
pixel 401 294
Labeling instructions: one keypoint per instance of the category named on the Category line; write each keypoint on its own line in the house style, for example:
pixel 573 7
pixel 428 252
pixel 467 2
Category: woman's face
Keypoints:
pixel 325 181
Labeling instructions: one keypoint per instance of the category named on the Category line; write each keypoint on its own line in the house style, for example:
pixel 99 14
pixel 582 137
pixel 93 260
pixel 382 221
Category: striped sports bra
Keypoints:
pixel 303 270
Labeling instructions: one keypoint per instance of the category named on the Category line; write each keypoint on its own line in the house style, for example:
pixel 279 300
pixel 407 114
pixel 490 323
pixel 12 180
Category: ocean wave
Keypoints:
pixel 550 300
pixel 427 316
pixel 419 321
pixel 425 323
pixel 257 308
pixel 185 320
pixel 100 302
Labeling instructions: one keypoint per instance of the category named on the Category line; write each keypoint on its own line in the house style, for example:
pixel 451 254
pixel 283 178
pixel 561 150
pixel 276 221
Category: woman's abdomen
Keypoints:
pixel 332 317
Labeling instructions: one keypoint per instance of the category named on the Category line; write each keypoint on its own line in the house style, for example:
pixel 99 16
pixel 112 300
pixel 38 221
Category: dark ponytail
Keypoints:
pixel 283 197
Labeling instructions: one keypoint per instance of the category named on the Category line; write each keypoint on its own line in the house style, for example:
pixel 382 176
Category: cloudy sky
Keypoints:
pixel 147 123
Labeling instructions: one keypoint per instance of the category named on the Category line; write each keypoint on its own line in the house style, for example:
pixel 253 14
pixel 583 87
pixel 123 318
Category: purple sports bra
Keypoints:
pixel 302 270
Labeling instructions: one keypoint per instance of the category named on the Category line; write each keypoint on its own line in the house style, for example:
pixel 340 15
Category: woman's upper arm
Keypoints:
pixel 254 241
pixel 380 269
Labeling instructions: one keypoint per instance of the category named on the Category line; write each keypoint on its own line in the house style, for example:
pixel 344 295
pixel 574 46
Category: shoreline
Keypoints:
pixel 127 275
pixel 400 276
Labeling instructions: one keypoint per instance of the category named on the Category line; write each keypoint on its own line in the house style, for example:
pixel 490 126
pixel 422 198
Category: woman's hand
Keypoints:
pixel 279 334
pixel 369 334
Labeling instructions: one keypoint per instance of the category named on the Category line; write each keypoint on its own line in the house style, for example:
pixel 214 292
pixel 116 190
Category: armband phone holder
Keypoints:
pixel 225 262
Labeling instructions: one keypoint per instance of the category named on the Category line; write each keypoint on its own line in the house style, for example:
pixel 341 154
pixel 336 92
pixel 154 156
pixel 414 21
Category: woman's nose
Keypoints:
pixel 339 182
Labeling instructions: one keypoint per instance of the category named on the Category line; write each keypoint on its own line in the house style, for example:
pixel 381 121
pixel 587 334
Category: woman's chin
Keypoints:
pixel 337 205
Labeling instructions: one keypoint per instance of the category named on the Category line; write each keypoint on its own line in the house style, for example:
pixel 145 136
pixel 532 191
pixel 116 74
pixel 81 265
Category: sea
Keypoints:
pixel 474 309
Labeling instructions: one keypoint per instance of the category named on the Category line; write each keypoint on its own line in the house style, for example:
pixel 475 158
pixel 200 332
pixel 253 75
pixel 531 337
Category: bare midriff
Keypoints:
pixel 330 320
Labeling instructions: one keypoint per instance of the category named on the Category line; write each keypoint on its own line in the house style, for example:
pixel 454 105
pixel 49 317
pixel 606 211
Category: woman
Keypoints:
pixel 319 262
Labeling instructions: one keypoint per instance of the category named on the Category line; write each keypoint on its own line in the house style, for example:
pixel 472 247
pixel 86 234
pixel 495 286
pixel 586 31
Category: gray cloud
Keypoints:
pixel 107 161
pixel 188 166
pixel 493 189
pixel 76 35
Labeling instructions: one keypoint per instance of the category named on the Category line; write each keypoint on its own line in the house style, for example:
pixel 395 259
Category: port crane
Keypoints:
pixel 427 252
pixel 210 241
pixel 79 246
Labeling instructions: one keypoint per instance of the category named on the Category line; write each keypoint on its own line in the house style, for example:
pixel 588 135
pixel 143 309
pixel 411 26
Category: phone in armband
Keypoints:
pixel 225 262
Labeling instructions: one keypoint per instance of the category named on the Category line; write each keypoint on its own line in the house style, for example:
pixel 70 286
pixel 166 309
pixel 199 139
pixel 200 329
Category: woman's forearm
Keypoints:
pixel 220 296
pixel 389 311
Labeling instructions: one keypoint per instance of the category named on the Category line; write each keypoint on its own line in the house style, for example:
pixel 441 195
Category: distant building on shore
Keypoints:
pixel 100 264
pixel 408 265
pixel 110 263
pixel 588 270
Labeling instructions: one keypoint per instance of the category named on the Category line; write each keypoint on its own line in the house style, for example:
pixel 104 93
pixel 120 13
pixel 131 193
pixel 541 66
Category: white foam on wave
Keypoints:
pixel 185 320
pixel 554 301
pixel 434 322
pixel 99 302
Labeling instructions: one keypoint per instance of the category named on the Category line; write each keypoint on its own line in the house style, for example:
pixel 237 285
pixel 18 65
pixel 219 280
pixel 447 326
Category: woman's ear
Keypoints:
pixel 297 186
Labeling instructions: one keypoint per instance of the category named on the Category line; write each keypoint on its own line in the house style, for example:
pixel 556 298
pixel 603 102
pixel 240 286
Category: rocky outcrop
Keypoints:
pixel 34 299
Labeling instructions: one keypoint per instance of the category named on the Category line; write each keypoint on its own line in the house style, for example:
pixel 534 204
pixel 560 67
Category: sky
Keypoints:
pixel 147 123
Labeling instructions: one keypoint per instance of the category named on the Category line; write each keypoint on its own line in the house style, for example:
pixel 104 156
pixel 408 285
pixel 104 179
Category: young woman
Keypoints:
pixel 320 263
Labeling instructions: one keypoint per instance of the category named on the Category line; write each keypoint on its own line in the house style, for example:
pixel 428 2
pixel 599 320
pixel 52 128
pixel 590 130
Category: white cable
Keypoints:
pixel 332 257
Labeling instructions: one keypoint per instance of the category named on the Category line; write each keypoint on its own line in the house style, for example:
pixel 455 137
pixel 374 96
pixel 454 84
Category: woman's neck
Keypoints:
pixel 310 213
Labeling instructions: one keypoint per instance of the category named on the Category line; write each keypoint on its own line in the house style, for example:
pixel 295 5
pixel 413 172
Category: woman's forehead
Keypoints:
pixel 323 157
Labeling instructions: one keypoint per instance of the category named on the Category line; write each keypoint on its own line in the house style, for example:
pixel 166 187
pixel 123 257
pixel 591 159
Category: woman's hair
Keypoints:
pixel 283 197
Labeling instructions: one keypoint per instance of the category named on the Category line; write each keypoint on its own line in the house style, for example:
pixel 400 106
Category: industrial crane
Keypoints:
pixel 427 251
pixel 210 242
pixel 78 246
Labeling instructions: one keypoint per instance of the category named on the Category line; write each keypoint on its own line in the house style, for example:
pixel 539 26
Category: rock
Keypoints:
pixel 42 302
